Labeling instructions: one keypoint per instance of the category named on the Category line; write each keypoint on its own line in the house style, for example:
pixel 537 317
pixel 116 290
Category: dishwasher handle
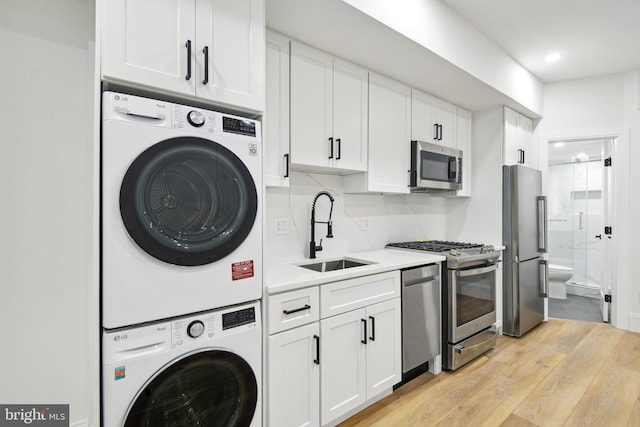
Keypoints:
pixel 420 281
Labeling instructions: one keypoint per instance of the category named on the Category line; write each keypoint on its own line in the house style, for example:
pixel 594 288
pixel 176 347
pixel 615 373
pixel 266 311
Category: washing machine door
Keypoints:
pixel 208 389
pixel 188 201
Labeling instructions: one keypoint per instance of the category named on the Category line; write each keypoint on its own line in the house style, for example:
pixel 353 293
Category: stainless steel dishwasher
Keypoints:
pixel 421 307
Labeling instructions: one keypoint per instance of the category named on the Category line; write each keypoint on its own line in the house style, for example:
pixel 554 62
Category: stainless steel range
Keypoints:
pixel 468 298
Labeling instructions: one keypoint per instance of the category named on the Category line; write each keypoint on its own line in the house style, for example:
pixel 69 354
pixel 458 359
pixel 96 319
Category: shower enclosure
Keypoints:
pixel 575 215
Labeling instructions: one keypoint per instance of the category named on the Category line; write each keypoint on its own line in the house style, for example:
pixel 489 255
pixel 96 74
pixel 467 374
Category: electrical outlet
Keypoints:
pixel 364 223
pixel 281 226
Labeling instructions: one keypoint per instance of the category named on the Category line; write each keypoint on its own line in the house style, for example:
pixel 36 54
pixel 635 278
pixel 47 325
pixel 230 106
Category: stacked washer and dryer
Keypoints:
pixel 181 256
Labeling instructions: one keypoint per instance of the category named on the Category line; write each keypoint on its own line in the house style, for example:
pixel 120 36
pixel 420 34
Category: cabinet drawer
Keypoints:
pixel 291 309
pixel 340 297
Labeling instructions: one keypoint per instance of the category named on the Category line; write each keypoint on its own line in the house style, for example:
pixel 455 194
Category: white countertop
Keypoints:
pixel 288 276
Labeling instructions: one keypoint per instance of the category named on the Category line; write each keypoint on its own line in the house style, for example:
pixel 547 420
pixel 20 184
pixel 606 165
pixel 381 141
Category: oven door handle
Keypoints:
pixel 476 271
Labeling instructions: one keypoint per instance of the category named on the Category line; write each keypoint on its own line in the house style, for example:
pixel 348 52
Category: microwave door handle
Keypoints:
pixel 453 161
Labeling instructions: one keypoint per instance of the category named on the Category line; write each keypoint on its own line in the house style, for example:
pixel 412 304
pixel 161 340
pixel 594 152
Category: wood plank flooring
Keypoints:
pixel 562 373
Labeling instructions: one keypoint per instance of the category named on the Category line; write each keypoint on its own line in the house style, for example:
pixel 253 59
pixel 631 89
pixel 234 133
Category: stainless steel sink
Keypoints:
pixel 337 264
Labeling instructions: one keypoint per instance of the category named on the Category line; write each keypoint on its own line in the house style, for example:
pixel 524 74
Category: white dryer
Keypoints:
pixel 198 370
pixel 181 210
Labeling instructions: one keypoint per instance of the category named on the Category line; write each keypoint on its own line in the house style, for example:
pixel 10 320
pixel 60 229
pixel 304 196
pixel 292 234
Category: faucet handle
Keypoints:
pixel 319 247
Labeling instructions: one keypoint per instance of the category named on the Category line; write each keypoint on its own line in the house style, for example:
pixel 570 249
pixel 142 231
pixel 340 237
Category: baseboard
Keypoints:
pixel 583 291
pixel 634 322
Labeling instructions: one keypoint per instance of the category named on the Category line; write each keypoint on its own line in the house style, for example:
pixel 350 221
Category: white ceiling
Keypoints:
pixel 593 37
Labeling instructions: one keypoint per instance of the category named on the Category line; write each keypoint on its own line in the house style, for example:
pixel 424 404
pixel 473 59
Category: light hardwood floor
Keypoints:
pixel 562 373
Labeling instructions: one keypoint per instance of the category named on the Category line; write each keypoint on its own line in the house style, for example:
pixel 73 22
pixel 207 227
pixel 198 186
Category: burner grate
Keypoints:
pixel 433 245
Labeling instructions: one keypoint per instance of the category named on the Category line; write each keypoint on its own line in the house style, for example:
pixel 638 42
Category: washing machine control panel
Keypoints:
pixel 195 329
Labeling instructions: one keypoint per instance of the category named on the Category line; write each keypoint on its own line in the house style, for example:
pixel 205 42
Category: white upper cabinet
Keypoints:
pixel 432 119
pixel 211 49
pixel 328 112
pixel 389 139
pixel 275 123
pixel 518 143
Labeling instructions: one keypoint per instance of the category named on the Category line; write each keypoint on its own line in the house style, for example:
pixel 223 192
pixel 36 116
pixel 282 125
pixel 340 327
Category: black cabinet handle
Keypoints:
pixel 331 148
pixel 435 131
pixel 373 328
pixel 339 149
pixel 364 323
pixel 188 46
pixel 317 359
pixel 286 165
pixel 439 132
pixel 206 65
pixel 295 310
pixel 520 156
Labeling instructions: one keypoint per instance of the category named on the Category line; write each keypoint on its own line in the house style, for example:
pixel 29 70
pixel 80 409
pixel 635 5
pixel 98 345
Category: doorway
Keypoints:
pixel 580 194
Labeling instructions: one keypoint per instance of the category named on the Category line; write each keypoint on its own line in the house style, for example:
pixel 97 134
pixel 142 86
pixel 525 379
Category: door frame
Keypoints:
pixel 620 154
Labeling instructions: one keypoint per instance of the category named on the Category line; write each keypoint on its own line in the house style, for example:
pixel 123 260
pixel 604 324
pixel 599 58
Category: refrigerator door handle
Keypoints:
pixel 544 289
pixel 542 223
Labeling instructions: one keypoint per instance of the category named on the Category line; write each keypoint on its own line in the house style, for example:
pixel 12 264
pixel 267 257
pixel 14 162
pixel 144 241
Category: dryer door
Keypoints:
pixel 188 201
pixel 209 389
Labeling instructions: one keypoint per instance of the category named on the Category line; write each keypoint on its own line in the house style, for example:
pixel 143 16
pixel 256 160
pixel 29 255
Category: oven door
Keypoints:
pixel 472 301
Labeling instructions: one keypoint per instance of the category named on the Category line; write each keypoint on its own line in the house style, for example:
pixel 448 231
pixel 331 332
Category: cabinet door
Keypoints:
pixel 525 128
pixel 233 33
pixel 389 135
pixel 384 347
pixel 350 106
pixel 445 115
pixel 423 125
pixel 511 156
pixel 342 357
pixel 150 51
pixel 275 123
pixel 294 378
pixel 311 107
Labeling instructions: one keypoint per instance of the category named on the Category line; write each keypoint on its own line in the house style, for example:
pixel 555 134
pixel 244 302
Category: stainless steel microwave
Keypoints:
pixel 434 168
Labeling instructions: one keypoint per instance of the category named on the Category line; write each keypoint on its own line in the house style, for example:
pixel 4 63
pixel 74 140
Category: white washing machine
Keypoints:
pixel 198 370
pixel 181 210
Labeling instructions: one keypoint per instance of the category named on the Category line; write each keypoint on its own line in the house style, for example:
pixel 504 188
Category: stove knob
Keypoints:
pixel 196 118
pixel 195 329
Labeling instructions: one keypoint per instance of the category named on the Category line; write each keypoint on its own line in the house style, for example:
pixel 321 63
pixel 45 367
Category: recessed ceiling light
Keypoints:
pixel 552 57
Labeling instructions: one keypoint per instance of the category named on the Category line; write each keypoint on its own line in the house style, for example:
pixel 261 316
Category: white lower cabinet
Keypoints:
pixel 294 377
pixel 324 371
pixel 360 357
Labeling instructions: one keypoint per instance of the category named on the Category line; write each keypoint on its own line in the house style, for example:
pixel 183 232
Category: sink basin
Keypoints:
pixel 336 264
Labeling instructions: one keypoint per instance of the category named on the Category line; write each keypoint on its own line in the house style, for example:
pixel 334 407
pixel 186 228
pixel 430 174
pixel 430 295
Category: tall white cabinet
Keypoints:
pixel 209 49
pixel 275 123
pixel 328 112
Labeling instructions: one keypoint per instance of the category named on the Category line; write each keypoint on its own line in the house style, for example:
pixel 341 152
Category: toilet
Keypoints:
pixel 558 277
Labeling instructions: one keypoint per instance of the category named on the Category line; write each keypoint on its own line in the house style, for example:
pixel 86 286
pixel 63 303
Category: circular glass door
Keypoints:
pixel 208 389
pixel 188 201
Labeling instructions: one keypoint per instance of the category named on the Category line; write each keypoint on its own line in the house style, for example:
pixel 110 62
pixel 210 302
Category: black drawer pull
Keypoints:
pixel 364 323
pixel 188 46
pixel 205 50
pixel 317 359
pixel 373 328
pixel 295 310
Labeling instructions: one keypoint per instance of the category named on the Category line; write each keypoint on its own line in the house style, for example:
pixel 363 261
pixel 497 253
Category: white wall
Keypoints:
pixel 599 107
pixel 391 218
pixel 48 286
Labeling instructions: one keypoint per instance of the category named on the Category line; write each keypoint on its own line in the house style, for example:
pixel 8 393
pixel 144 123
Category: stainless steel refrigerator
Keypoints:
pixel 524 234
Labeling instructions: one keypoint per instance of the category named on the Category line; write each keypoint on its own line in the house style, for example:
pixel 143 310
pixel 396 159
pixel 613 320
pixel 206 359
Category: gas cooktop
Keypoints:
pixel 457 253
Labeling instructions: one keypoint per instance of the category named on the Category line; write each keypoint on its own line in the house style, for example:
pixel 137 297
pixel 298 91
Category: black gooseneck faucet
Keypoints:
pixel 312 245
